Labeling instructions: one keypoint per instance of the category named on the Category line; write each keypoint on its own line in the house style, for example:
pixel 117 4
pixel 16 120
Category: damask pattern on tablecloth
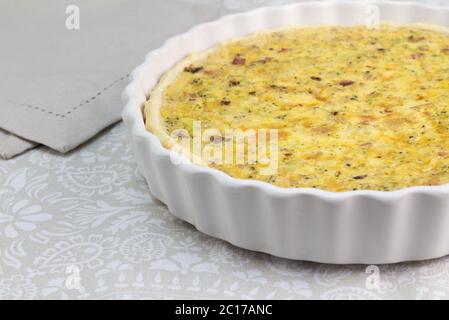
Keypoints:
pixel 84 225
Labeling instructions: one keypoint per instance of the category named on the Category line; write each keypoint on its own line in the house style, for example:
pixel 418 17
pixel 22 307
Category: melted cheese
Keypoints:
pixel 355 108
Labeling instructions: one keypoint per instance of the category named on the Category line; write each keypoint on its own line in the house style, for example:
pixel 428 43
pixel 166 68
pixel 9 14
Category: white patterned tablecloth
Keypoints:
pixel 84 226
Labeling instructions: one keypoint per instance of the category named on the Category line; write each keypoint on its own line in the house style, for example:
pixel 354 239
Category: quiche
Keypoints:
pixel 353 108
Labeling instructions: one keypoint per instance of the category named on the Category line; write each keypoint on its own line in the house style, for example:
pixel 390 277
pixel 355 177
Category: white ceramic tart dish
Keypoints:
pixel 363 226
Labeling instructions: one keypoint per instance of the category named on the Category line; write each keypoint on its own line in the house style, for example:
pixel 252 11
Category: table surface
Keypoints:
pixel 84 225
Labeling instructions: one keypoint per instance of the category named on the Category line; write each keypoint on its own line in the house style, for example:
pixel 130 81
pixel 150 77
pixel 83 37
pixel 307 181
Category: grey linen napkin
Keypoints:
pixel 11 145
pixel 60 87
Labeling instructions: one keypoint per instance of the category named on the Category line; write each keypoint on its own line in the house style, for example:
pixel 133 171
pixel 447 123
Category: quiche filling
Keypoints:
pixel 354 108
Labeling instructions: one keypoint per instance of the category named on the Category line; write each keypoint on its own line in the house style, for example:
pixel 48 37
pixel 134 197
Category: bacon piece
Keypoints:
pixel 193 69
pixel 412 38
pixel 345 83
pixel 238 60
pixel 417 55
